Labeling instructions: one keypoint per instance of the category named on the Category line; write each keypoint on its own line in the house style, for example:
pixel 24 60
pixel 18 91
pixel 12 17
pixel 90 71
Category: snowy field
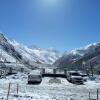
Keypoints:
pixel 46 90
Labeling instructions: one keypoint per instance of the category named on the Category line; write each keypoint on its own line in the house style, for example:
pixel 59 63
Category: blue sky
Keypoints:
pixel 61 24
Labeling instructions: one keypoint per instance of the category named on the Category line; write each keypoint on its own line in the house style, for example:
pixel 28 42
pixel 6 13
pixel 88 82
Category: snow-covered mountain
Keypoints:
pixel 83 50
pixel 75 57
pixel 12 51
pixel 35 54
pixel 31 54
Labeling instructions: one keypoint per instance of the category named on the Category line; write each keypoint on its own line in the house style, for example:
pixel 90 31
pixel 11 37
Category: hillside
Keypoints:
pixel 14 52
pixel 74 59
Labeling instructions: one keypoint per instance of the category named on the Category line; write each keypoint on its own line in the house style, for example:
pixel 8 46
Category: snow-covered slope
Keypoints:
pixel 84 50
pixel 84 53
pixel 4 56
pixel 34 54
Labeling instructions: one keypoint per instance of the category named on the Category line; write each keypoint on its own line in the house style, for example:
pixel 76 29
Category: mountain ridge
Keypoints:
pixel 35 56
pixel 45 56
pixel 75 57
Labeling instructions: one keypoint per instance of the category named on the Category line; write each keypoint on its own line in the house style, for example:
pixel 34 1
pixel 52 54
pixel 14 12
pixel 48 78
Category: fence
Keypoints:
pixel 9 88
pixel 16 90
pixel 54 73
pixel 94 95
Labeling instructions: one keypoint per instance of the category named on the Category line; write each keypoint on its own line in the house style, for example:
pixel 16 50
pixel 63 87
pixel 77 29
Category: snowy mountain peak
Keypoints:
pixel 34 54
pixel 83 50
pixel 13 42
pixel 2 38
pixel 1 34
pixel 84 53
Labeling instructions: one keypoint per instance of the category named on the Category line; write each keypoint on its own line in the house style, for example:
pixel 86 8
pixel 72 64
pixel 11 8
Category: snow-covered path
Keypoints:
pixel 46 90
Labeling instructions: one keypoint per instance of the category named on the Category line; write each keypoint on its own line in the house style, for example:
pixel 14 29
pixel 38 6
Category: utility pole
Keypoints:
pixel 17 89
pixel 97 94
pixel 91 67
pixel 89 95
pixel 83 65
pixel 54 72
pixel 1 54
pixel 8 91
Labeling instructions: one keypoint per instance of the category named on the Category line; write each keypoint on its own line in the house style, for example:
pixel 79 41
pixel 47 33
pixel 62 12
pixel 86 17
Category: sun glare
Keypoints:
pixel 51 2
pixel 46 6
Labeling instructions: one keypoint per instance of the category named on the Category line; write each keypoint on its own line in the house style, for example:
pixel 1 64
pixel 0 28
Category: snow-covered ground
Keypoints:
pixel 46 90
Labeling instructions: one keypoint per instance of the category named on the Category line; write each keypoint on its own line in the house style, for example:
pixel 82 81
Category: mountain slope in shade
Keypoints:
pixel 77 56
